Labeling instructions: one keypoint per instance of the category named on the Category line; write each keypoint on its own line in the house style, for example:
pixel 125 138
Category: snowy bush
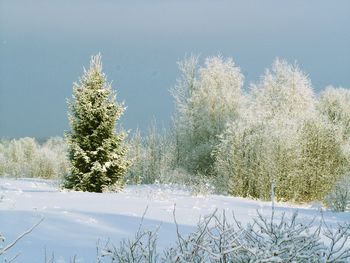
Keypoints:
pixel 222 239
pixel 321 162
pixel 3 158
pixel 20 155
pixel 51 159
pixel 206 99
pixel 25 157
pixel 154 161
pixel 142 248
pixel 246 161
pixel 339 198
pixel 217 240
pixel 136 153
pixel 96 150
pixel 152 156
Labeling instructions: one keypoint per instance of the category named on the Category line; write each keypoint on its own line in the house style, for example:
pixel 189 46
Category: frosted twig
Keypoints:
pixel 9 246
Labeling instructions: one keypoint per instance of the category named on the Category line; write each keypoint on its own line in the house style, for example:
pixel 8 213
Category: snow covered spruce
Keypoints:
pixel 96 151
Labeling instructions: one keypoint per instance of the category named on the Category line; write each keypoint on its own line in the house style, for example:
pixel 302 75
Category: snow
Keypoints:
pixel 74 222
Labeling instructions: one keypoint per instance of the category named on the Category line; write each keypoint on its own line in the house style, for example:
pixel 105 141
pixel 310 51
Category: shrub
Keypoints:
pixel 142 248
pixel 321 162
pixel 25 157
pixel 339 198
pixel 153 157
pixel 220 239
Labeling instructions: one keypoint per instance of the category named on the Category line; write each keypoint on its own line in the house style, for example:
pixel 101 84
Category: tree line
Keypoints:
pixel 238 139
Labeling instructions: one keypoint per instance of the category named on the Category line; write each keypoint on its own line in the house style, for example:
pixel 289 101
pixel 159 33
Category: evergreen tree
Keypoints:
pixel 96 151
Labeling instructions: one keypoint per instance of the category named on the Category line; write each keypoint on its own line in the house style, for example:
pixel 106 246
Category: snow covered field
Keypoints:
pixel 75 221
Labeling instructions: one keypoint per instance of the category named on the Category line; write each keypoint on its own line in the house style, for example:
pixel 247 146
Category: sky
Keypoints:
pixel 44 45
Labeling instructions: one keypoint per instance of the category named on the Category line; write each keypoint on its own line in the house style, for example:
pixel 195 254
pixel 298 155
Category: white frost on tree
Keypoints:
pixel 96 151
pixel 284 93
pixel 206 99
pixel 25 157
pixel 280 138
pixel 334 103
pixel 339 198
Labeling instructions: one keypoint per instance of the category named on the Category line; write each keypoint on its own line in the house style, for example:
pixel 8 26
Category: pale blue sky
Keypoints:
pixel 45 43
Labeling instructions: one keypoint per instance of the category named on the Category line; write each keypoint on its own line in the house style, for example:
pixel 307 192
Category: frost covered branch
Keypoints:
pixel 221 239
pixel 142 248
pixel 5 249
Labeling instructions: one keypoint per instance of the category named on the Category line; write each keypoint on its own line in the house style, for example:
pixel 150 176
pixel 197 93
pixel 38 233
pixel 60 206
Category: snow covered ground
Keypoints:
pixel 75 221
